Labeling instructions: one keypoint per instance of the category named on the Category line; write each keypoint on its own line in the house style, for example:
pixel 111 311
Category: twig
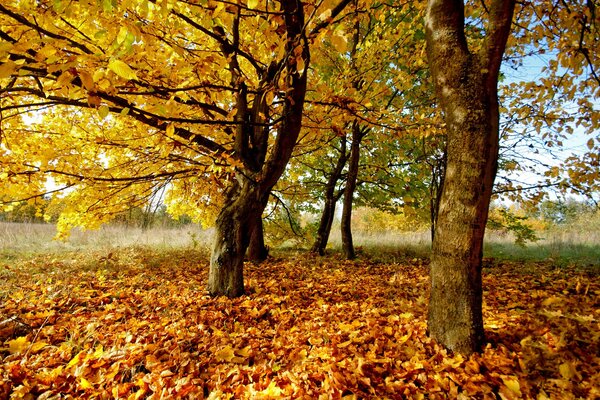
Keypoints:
pixel 34 339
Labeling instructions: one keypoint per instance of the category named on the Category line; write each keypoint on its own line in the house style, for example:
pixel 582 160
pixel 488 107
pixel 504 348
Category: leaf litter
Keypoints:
pixel 138 324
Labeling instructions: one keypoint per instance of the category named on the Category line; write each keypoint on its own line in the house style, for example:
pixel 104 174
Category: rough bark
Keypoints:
pixel 466 89
pixel 331 198
pixel 351 179
pixel 233 228
pixel 261 166
pixel 257 251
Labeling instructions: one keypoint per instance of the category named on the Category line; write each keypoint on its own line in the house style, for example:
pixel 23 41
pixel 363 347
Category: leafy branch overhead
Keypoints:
pixel 194 88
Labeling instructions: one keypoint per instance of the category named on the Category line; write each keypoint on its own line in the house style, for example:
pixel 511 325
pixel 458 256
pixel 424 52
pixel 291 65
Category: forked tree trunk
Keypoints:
pixel 257 251
pixel 346 223
pixel 466 88
pixel 331 199
pixel 233 229
pixel 261 167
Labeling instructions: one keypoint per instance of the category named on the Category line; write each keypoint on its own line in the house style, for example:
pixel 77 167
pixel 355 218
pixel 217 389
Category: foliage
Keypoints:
pixel 369 220
pixel 283 226
pixel 567 211
pixel 543 114
pixel 114 102
pixel 504 219
pixel 136 323
pixel 31 211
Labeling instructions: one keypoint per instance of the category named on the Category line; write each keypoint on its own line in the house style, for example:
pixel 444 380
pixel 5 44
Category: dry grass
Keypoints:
pixel 564 246
pixel 569 245
pixel 23 238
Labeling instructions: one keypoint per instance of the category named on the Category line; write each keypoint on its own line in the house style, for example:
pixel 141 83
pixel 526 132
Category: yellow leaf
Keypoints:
pixel 170 130
pixel 225 354
pixel 103 111
pixel 272 390
pixel 122 69
pixel 76 359
pixel 270 96
pixel 551 300
pixel 85 384
pixel 7 69
pixel 512 383
pixel 300 64
pixel 252 3
pixel 567 370
pixel 325 15
pixel 340 42
pixel 98 352
pixel 87 80
pixel 245 352
pixel 37 346
pixel 45 52
pixel 18 345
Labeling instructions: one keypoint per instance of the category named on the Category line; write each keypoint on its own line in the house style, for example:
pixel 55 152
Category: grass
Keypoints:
pixel 21 240
pixel 558 247
pixel 570 246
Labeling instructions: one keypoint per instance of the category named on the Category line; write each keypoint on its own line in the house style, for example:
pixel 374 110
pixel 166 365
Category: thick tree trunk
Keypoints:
pixel 233 228
pixel 261 167
pixel 352 177
pixel 466 88
pixel 331 199
pixel 455 316
pixel 257 251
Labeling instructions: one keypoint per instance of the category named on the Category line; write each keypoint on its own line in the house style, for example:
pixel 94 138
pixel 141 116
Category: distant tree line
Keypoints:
pixel 43 211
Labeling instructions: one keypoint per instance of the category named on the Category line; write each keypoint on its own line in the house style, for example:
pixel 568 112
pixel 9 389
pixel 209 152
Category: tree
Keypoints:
pixel 133 96
pixel 466 82
pixel 363 88
pixel 330 198
pixel 466 44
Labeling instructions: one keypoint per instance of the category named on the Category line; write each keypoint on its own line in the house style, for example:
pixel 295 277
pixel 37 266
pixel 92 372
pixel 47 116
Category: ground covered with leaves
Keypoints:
pixel 138 324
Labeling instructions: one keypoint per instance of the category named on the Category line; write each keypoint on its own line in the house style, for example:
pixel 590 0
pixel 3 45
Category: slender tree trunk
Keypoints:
pixel 257 251
pixel 324 226
pixel 466 88
pixel 438 171
pixel 346 223
pixel 330 201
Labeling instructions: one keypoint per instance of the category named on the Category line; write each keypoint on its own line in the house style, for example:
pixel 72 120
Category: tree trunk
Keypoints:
pixel 257 251
pixel 325 224
pixel 261 166
pixel 330 201
pixel 438 170
pixel 466 88
pixel 346 223
pixel 234 226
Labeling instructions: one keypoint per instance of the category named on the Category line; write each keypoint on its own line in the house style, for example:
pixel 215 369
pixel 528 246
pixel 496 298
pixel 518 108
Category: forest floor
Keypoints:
pixel 136 323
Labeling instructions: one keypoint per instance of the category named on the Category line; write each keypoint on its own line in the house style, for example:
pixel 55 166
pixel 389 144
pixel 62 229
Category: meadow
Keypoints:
pixel 123 313
pixel 575 244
